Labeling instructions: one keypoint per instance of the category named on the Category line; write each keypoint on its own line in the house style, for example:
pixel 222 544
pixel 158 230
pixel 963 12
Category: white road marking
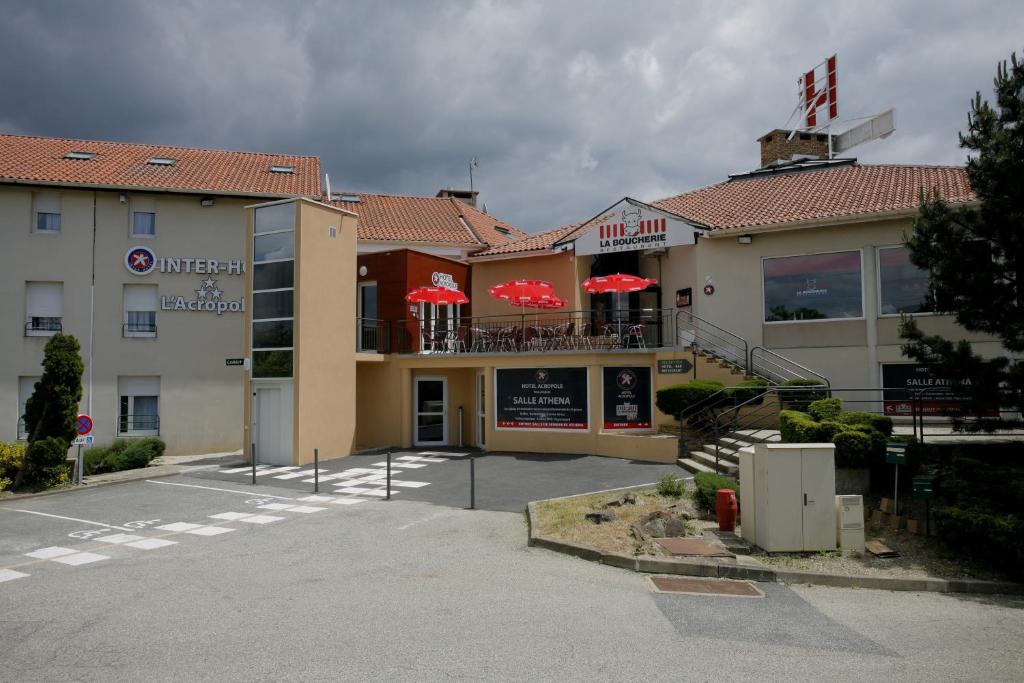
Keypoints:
pixel 179 526
pixel 80 558
pixel 70 519
pixel 209 531
pixel 419 458
pixel 234 516
pixel 120 538
pixel 423 519
pixel 11 575
pixel 409 484
pixel 306 509
pixel 247 468
pixel 211 488
pixel 261 519
pixel 151 543
pixel 50 553
pixel 274 506
pixel 318 499
pixel 365 492
pixel 348 501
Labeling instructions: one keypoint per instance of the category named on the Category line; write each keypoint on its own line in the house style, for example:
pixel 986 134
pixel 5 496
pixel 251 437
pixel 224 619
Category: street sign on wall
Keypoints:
pixel 541 399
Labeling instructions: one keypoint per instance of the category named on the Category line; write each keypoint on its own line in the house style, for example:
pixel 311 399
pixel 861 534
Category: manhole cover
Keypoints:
pixel 692 546
pixel 676 584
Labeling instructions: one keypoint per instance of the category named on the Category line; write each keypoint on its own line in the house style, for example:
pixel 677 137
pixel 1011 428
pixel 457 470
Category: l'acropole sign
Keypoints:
pixel 208 296
pixel 630 225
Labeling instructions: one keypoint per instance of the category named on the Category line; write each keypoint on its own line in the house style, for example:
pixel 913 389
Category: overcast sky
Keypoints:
pixel 567 105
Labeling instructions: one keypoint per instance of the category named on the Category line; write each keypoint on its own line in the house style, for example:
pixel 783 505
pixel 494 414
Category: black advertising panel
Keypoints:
pixel 904 381
pixel 627 397
pixel 541 398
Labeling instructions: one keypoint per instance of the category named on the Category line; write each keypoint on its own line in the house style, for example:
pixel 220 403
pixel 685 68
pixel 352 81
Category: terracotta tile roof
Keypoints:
pixel 540 241
pixel 817 194
pixel 123 165
pixel 404 218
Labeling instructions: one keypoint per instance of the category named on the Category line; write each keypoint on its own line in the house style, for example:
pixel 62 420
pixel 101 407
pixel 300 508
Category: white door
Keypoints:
pixel 272 425
pixel 430 411
pixel 481 407
pixel 819 499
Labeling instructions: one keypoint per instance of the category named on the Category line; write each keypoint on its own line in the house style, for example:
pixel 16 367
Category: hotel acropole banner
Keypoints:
pixel 541 398
pixel 627 397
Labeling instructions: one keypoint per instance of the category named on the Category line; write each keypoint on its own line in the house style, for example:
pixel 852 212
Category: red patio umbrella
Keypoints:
pixel 617 283
pixel 518 290
pixel 438 296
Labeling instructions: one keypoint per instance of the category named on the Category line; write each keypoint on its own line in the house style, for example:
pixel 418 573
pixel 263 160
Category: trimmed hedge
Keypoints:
pixel 707 484
pixel 879 423
pixel 673 400
pixel 799 400
pixel 797 427
pixel 123 455
pixel 853 449
pixel 825 409
pixel 748 390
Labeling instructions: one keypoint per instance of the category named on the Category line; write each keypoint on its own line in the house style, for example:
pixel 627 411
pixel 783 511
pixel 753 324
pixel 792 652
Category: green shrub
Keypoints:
pixel 12 454
pixel 853 448
pixel 673 400
pixel 671 486
pixel 879 423
pixel 707 484
pixel 825 409
pixel 829 428
pixel 797 427
pixel 748 390
pixel 799 400
pixel 123 455
pixel 45 464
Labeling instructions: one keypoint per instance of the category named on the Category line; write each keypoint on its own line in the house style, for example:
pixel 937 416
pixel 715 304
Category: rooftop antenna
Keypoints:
pixel 472 165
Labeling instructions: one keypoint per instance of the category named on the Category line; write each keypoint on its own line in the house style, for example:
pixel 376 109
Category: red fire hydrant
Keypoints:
pixel 725 509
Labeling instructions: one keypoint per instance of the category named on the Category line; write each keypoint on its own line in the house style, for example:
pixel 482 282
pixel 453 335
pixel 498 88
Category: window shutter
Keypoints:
pixel 138 386
pixel 140 297
pixel 146 204
pixel 44 299
pixel 47 202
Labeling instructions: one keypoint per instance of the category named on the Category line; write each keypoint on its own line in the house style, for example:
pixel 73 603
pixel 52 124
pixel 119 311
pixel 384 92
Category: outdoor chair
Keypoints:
pixel 635 334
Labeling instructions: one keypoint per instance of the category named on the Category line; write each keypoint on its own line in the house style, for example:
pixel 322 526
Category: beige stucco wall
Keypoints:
pixel 559 269
pixel 325 341
pixel 198 404
pixel 848 352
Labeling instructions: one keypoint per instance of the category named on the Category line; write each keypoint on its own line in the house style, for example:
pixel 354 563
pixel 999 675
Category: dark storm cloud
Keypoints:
pixel 567 105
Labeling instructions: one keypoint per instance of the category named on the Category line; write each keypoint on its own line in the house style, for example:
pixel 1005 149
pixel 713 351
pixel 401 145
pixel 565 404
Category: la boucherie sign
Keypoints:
pixel 631 225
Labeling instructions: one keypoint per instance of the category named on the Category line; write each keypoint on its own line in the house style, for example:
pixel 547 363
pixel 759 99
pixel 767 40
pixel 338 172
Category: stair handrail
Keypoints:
pixel 769 354
pixel 715 331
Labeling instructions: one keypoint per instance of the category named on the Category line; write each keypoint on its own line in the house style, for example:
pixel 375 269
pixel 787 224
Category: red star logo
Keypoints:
pixel 140 260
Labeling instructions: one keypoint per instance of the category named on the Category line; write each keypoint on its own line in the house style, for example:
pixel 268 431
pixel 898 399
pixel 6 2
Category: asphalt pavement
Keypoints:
pixel 293 588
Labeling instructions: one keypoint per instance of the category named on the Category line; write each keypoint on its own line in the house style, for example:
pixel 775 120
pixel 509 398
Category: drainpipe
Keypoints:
pixel 92 307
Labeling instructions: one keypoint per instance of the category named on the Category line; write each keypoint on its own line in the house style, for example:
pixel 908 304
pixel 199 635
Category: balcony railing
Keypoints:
pixel 537 331
pixel 373 335
pixel 43 325
pixel 138 424
pixel 138 329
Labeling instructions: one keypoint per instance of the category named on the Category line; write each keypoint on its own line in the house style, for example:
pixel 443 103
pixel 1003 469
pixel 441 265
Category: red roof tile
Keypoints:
pixel 817 194
pixel 123 165
pixel 404 218
pixel 540 241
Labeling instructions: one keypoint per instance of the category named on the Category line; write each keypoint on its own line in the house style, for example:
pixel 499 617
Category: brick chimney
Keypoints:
pixel 465 196
pixel 775 146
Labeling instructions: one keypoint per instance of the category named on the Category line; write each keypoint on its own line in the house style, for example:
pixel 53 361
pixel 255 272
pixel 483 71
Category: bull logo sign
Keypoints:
pixel 631 221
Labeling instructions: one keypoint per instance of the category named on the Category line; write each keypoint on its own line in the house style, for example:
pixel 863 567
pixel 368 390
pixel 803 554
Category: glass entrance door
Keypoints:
pixel 430 411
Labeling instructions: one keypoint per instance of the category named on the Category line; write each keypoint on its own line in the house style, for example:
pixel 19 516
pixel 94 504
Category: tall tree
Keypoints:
pixel 50 413
pixel 974 252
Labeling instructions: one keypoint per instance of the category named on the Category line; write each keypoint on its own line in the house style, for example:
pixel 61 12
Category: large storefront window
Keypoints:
pixel 813 287
pixel 903 287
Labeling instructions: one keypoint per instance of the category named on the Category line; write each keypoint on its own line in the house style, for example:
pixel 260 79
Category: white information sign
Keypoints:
pixel 634 226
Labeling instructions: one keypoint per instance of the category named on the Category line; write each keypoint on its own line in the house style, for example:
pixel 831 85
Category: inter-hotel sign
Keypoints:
pixel 634 226
pixel 208 296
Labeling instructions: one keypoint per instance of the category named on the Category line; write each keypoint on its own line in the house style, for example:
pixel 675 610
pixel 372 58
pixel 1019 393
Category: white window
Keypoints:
pixel 138 411
pixel 140 310
pixel 26 385
pixel 46 212
pixel 143 217
pixel 44 308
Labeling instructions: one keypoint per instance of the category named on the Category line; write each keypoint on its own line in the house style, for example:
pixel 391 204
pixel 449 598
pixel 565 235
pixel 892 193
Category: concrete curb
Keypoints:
pixel 100 480
pixel 750 569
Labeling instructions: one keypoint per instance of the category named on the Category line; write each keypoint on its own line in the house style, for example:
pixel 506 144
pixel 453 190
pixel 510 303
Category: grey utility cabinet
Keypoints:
pixel 787 496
